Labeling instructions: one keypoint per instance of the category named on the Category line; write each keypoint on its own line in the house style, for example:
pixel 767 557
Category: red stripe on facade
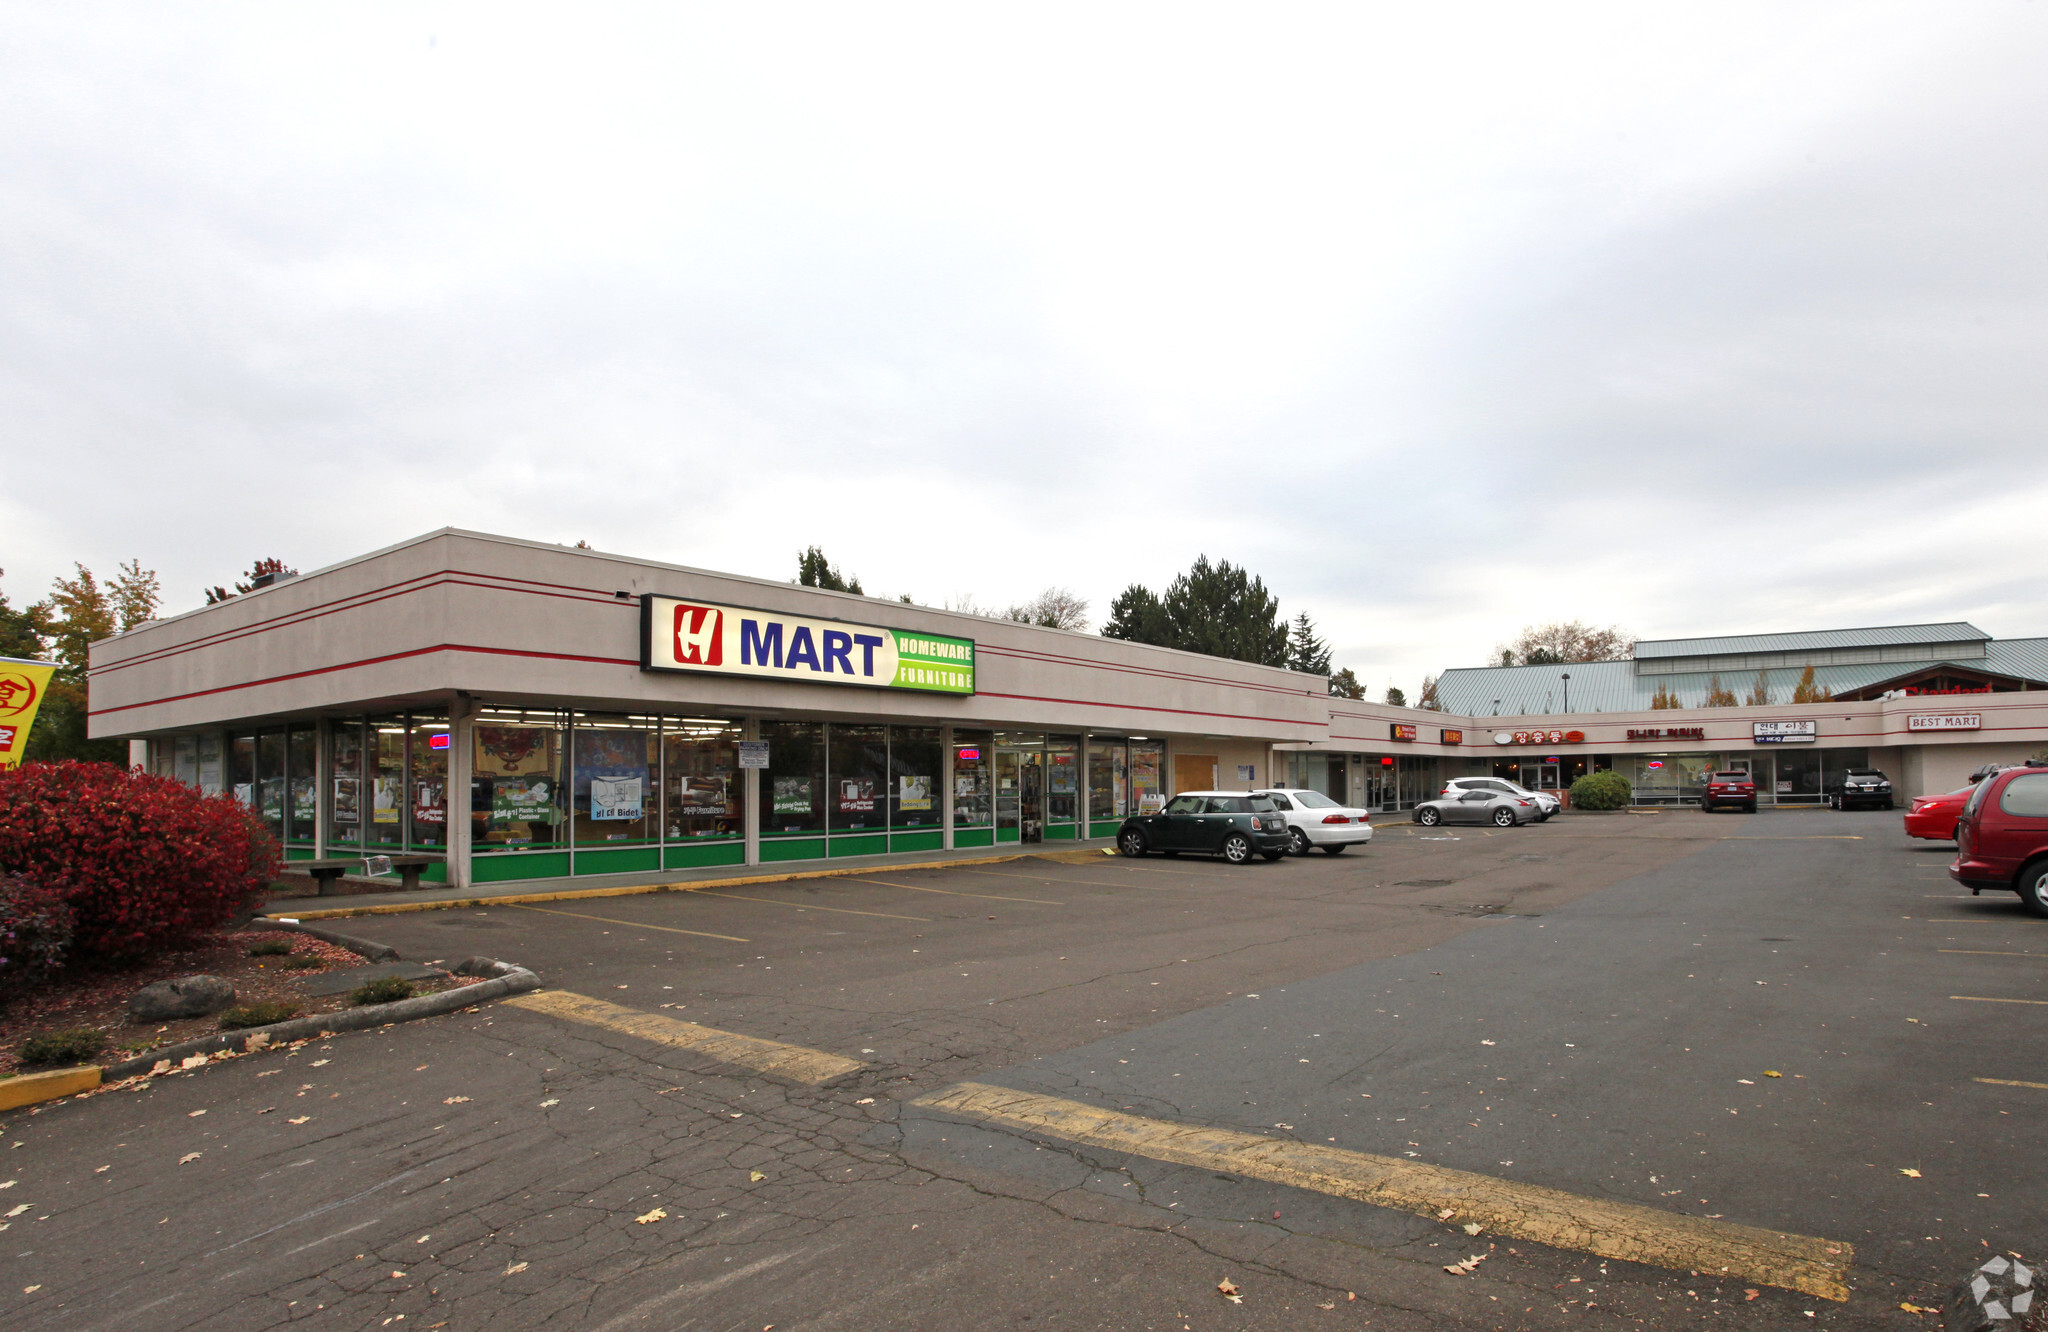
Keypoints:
pixel 1140 707
pixel 1154 672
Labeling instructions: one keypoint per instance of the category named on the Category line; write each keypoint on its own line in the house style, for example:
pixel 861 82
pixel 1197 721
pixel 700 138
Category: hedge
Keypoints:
pixel 1601 790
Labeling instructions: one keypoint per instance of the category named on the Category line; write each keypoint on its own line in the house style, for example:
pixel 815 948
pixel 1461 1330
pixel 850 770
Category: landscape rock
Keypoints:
pixel 180 997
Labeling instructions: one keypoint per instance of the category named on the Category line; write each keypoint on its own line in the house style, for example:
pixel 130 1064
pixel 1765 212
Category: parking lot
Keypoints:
pixel 1038 1092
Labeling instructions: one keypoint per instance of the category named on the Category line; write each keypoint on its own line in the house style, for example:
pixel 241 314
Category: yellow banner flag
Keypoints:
pixel 22 685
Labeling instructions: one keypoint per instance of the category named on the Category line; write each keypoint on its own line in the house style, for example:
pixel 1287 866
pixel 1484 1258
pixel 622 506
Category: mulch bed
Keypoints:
pixel 99 998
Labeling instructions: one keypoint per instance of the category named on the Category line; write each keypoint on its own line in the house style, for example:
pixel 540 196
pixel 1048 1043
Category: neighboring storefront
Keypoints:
pixel 611 717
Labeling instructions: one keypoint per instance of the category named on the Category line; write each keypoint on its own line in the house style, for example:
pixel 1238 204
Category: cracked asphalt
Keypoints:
pixel 1594 1005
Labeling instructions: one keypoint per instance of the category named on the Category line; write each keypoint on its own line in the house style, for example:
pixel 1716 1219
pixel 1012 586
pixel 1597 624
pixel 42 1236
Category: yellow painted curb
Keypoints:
pixel 793 1063
pixel 30 1088
pixel 631 890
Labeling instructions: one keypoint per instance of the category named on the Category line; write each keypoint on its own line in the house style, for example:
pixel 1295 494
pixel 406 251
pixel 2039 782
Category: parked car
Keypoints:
pixel 1934 817
pixel 1729 788
pixel 1233 824
pixel 1546 803
pixel 1314 820
pixel 1487 805
pixel 2002 839
pixel 1861 786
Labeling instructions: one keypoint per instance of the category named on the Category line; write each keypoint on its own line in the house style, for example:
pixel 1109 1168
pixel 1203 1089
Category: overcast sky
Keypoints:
pixel 1442 318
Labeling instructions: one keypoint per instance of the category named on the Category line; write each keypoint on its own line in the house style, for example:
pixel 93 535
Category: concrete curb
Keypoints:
pixel 364 948
pixel 510 980
pixel 29 1088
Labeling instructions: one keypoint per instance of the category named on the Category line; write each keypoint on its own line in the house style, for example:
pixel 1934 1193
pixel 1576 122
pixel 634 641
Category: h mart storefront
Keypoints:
pixel 527 711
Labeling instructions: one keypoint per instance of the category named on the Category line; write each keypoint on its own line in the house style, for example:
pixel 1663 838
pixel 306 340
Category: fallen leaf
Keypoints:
pixel 756 1176
pixel 1446 1214
pixel 516 1267
pixel 192 1061
pixel 1473 1227
pixel 1228 1290
pixel 865 1100
pixel 256 1041
pixel 17 1211
pixel 1745 1082
pixel 1914 1308
pixel 1773 1073
pixel 318 1062
pixel 396 1276
pixel 30 1290
pixel 1330 1305
pixel 101 1170
pixel 1909 1172
pixel 1350 1295
pixel 552 1100
pixel 453 1100
pixel 190 1157
pixel 649 1218
pixel 1748 1295
pixel 1486 1042
pixel 300 1120
pixel 421 1069
pixel 1465 1268
pixel 195 1114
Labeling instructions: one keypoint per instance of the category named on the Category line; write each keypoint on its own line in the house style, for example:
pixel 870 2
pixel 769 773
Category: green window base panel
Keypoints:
pixel 792 848
pixel 1104 827
pixel 974 837
pixel 916 841
pixel 300 853
pixel 1059 832
pixel 1006 834
pixel 708 853
pixel 624 860
pixel 502 867
pixel 852 844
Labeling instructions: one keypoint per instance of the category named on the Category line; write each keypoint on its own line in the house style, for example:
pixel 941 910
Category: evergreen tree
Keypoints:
pixel 1137 617
pixel 21 631
pixel 814 570
pixel 1224 611
pixel 1395 698
pixel 1306 652
pixel 1345 685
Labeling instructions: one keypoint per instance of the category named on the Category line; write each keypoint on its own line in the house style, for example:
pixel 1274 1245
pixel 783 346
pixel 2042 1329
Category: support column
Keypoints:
pixel 323 785
pixel 750 788
pixel 461 775
pixel 946 787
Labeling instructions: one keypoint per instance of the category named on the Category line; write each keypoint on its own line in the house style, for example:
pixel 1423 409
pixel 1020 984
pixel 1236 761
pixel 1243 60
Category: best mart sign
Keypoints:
pixel 736 640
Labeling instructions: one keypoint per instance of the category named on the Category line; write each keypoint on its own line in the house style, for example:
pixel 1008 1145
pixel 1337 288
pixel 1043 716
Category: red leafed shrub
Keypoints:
pixel 144 862
pixel 35 933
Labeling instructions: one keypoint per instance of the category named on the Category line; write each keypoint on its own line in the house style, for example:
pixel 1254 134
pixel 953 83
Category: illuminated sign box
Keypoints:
pixel 1402 731
pixel 968 756
pixel 1784 732
pixel 695 636
pixel 1542 737
pixel 1945 721
pixel 1454 737
pixel 438 740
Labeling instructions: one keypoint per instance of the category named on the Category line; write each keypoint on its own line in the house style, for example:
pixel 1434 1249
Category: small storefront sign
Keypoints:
pixel 753 753
pixel 1680 732
pixel 1247 772
pixel 1784 732
pixel 1541 737
pixel 735 640
pixel 1945 721
pixel 1453 737
pixel 1402 731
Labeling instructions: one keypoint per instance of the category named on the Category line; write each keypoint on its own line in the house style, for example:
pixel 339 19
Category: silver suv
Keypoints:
pixel 1546 803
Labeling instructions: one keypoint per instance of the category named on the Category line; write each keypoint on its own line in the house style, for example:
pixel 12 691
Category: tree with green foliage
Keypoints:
pixel 1136 616
pixel 273 566
pixel 1344 684
pixel 1305 651
pixel 814 570
pixel 1218 609
pixel 1395 698
pixel 78 613
pixel 21 631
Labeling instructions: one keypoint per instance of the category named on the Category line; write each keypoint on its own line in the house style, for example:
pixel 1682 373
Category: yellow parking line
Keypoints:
pixel 792 1063
pixel 1524 1211
pixel 952 892
pixel 1980 999
pixel 809 906
pixel 1093 883
pixel 2008 1082
pixel 667 929
pixel 1984 952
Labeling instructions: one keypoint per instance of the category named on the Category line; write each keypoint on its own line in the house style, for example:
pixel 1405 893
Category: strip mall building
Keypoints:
pixel 626 719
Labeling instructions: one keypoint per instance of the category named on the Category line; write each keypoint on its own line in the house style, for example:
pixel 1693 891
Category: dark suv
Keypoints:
pixel 1232 824
pixel 1861 786
pixel 2002 837
pixel 1729 788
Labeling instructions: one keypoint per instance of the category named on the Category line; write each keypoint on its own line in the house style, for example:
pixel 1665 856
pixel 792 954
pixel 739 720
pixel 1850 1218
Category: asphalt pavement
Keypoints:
pixel 1720 1026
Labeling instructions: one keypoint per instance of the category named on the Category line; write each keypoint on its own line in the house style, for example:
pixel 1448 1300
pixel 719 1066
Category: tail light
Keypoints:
pixel 1336 818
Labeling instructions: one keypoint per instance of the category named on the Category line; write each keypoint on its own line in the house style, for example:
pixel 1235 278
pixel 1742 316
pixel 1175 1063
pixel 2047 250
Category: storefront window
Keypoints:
pixel 704 794
pixel 794 779
pixel 1835 764
pixel 517 799
pixel 615 766
pixel 1796 779
pixel 387 782
pixel 345 764
pixel 1062 778
pixel 209 763
pixel 1108 774
pixel 241 766
pixel 270 781
pixel 971 796
pixel 429 801
pixel 1148 762
pixel 299 782
pixel 914 763
pixel 859 760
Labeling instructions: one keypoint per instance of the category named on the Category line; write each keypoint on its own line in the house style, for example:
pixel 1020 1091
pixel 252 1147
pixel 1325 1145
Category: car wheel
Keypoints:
pixel 1131 843
pixel 1272 855
pixel 1298 843
pixel 1334 849
pixel 1428 818
pixel 1749 808
pixel 1237 848
pixel 1890 805
pixel 1503 818
pixel 2034 887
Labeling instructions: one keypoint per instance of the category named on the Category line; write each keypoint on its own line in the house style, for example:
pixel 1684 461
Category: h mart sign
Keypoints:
pixel 680 635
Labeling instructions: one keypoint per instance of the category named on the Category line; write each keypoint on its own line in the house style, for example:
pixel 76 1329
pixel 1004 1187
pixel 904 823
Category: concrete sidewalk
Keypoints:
pixel 626 885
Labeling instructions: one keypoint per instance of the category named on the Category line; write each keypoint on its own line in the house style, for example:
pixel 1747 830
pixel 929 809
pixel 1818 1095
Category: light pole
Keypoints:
pixel 1567 693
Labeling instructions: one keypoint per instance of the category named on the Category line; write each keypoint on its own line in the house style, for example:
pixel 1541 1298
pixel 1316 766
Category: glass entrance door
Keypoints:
pixel 1020 793
pixel 1539 776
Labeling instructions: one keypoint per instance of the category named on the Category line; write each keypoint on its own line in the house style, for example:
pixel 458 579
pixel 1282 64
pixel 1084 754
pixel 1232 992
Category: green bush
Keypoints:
pixel 260 1014
pixel 383 990
pixel 76 1046
pixel 270 948
pixel 1601 790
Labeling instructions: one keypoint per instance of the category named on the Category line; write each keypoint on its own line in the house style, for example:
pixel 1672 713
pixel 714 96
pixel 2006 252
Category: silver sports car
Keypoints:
pixel 1499 808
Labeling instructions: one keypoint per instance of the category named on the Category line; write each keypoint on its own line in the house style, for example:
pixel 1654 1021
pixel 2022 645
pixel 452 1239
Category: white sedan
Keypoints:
pixel 1315 820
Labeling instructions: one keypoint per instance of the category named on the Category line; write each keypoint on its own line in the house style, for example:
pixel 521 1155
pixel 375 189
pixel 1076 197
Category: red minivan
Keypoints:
pixel 2002 836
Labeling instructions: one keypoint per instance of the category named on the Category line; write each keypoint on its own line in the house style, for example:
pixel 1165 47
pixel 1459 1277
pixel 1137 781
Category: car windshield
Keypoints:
pixel 1731 776
pixel 1865 772
pixel 1184 805
pixel 1315 800
pixel 1263 805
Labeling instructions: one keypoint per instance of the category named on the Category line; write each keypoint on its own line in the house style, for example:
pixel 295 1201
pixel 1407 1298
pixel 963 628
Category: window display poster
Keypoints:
pixel 914 793
pixel 1144 772
pixel 511 751
pixel 792 795
pixel 522 800
pixel 857 796
pixel 1063 773
pixel 346 808
pixel 701 797
pixel 617 761
pixel 615 797
pixel 245 794
pixel 429 802
pixel 384 795
pixel 963 785
pixel 753 753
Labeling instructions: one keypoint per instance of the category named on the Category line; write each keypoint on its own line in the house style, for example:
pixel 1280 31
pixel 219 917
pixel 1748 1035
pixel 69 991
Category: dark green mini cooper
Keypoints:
pixel 1231 824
